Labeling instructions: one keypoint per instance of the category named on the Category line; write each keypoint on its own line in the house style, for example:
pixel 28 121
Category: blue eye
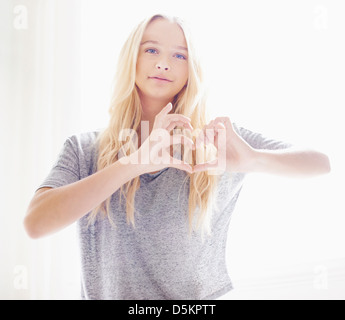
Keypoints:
pixel 153 51
pixel 180 56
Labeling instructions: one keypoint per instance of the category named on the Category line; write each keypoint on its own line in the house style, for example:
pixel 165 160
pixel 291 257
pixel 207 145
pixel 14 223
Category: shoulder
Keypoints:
pixel 248 135
pixel 259 141
pixel 84 140
pixel 82 147
pixel 83 151
pixel 243 132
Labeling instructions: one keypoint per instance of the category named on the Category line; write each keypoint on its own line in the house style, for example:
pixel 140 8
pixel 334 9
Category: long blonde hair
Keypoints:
pixel 125 112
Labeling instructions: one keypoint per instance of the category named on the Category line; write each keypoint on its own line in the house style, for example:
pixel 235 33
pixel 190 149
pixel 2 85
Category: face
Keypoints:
pixel 162 65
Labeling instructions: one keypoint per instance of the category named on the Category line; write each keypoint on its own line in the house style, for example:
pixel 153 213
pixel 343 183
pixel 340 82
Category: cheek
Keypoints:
pixel 139 67
pixel 141 63
pixel 140 74
pixel 185 74
pixel 181 70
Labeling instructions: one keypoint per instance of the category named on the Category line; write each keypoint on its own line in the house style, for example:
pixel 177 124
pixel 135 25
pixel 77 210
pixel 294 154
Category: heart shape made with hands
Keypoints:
pixel 216 132
pixel 203 149
pixel 209 151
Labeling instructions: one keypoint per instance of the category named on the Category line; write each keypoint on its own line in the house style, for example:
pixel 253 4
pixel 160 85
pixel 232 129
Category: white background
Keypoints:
pixel 276 67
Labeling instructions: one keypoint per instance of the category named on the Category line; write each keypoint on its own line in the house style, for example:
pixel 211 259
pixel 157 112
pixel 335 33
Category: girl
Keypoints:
pixel 167 239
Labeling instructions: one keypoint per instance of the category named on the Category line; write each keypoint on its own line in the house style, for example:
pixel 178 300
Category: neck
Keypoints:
pixel 150 108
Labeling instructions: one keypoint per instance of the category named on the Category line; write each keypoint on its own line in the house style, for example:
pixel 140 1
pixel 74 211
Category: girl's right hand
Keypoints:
pixel 154 153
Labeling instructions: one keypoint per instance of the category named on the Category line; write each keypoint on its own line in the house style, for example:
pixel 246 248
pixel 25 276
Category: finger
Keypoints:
pixel 210 136
pixel 179 117
pixel 208 132
pixel 180 120
pixel 213 129
pixel 225 121
pixel 206 166
pixel 174 124
pixel 218 123
pixel 175 139
pixel 217 128
pixel 166 109
pixel 201 139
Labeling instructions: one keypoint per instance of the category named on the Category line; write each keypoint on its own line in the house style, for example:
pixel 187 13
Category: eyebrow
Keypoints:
pixel 156 42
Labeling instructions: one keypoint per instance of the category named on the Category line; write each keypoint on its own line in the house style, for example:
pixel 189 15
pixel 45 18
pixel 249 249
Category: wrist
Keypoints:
pixel 260 160
pixel 134 164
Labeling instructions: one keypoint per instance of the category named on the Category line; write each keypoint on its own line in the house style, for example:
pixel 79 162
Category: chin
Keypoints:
pixel 163 97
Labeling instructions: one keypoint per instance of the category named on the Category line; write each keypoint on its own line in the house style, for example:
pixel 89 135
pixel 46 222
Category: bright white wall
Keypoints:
pixel 275 67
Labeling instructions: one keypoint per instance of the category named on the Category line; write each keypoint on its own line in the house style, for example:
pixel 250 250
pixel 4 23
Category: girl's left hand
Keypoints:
pixel 239 155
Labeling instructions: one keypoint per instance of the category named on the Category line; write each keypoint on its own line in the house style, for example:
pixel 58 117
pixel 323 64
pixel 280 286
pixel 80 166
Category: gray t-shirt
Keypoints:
pixel 157 259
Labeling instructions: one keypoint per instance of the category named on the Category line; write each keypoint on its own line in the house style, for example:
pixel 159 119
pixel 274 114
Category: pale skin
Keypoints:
pixel 162 71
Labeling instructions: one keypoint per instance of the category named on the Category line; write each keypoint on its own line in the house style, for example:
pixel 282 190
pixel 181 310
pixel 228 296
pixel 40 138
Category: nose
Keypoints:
pixel 162 66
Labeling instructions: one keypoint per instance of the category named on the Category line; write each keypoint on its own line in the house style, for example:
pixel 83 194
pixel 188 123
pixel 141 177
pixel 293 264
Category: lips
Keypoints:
pixel 160 78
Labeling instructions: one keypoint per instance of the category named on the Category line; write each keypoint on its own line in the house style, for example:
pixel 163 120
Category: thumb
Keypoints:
pixel 220 125
pixel 166 109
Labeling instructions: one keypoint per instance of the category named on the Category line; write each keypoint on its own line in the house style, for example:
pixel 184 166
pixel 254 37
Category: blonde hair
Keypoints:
pixel 125 112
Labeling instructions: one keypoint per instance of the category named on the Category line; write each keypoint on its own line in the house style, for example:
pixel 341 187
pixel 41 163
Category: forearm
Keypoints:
pixel 57 208
pixel 291 162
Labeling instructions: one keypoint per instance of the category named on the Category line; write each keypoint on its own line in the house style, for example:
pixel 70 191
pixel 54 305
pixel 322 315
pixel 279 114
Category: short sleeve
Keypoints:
pixel 259 141
pixel 66 169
